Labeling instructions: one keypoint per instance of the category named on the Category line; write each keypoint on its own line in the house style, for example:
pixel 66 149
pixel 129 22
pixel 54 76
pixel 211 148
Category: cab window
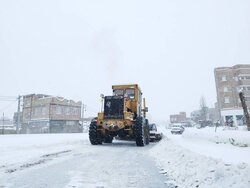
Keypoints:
pixel 130 93
pixel 118 92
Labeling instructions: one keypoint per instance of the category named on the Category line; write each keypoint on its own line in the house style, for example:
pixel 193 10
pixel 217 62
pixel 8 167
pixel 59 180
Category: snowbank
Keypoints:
pixel 236 137
pixel 204 158
pixel 25 147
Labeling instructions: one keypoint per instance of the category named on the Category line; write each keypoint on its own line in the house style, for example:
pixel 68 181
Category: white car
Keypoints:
pixel 177 129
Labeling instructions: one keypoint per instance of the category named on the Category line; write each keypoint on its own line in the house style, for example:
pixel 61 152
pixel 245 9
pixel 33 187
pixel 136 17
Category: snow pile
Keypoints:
pixel 239 138
pixel 22 148
pixel 195 159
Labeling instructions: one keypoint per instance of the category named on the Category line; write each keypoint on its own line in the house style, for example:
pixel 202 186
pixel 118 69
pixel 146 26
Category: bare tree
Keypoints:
pixel 203 109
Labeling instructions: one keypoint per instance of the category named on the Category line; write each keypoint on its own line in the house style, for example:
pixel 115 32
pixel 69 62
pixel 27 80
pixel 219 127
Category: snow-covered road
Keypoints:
pixel 198 158
pixel 68 160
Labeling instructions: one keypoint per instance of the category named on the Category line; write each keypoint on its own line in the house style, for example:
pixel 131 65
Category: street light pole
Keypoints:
pixel 18 114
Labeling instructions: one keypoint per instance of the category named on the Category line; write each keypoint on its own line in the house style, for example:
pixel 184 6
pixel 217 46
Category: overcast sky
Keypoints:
pixel 79 49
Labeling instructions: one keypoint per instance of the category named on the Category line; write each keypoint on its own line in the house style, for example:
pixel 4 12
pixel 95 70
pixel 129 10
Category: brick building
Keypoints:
pixel 178 118
pixel 47 114
pixel 228 82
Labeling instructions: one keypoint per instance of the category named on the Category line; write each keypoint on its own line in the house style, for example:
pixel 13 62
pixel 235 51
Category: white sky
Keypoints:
pixel 78 49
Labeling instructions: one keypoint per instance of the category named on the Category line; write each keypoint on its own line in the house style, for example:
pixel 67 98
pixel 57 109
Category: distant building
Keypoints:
pixel 228 82
pixel 178 118
pixel 212 114
pixel 47 114
pixel 6 126
pixel 195 115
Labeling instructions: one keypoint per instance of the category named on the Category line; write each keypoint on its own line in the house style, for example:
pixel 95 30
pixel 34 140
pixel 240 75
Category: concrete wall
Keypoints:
pixel 65 127
pixel 53 126
pixel 7 131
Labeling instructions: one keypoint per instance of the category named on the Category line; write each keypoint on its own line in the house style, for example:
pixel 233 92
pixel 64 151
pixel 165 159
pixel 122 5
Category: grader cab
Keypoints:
pixel 123 116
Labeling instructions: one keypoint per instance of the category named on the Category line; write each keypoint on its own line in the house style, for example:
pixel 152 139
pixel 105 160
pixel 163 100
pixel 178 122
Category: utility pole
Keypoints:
pixel 83 109
pixel 3 124
pixel 244 106
pixel 18 114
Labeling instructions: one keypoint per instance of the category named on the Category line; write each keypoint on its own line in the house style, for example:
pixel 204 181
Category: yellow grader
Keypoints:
pixel 122 116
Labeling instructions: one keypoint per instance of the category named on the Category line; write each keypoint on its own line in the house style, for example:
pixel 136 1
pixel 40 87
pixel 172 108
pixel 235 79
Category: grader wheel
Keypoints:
pixel 141 133
pixel 94 137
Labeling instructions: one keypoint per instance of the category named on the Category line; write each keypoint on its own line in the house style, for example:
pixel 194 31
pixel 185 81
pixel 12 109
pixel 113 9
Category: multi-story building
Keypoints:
pixel 229 80
pixel 47 114
pixel 178 118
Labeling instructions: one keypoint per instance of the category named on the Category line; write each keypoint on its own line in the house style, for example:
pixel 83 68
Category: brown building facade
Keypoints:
pixel 178 118
pixel 229 80
pixel 48 114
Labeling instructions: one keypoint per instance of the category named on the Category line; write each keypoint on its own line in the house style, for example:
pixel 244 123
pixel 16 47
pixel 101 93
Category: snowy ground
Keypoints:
pixel 68 160
pixel 205 158
pixel 198 158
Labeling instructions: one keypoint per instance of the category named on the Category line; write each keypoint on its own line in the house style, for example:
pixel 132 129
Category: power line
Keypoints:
pixel 8 106
pixel 13 97
pixel 8 98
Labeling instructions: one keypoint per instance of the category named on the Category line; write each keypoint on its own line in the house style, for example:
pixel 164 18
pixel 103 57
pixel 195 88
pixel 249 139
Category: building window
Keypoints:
pixel 58 110
pixel 225 89
pixel 244 77
pixel 223 78
pixel 229 121
pixel 226 100
pixel 44 111
pixel 37 111
pixel 70 123
pixel 240 120
pixel 245 88
pixel 67 111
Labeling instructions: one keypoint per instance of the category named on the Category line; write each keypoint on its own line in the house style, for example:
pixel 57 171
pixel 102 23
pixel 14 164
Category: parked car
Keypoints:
pixel 154 135
pixel 177 129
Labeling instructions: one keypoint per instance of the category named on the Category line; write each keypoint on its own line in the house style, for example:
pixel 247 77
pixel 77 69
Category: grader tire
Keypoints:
pixel 139 133
pixel 147 135
pixel 94 138
pixel 146 132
